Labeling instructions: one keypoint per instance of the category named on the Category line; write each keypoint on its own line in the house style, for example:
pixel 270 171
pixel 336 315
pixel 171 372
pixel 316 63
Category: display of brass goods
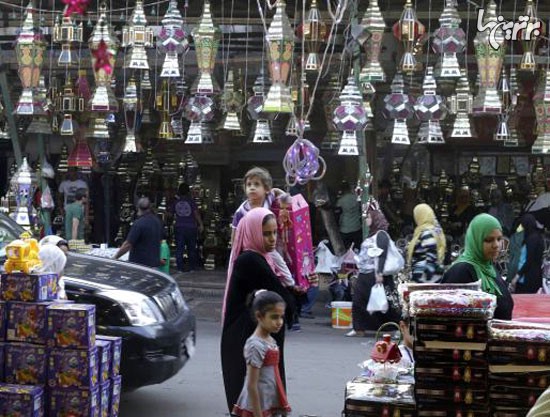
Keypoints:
pixel 530 36
pixel 172 40
pixel 314 32
pixel 137 36
pixel 399 107
pixel 206 37
pixel 408 30
pixel 490 50
pixel 29 50
pixel 430 109
pixel 280 41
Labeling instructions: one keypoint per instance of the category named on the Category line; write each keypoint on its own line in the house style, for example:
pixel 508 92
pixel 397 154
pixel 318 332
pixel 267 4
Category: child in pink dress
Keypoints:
pixel 263 393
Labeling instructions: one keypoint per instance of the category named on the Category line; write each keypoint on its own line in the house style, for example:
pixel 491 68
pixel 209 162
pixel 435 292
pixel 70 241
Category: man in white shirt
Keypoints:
pixel 70 186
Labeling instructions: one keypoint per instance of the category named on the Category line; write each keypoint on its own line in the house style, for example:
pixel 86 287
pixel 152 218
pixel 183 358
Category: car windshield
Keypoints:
pixel 8 233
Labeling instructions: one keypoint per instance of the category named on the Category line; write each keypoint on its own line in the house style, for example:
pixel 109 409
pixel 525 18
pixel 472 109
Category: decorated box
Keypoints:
pixel 104 359
pixel 72 368
pixel 116 350
pixel 295 234
pixel 25 364
pixel 531 379
pixel 105 398
pixel 74 402
pixel 509 411
pixel 444 411
pixel 519 353
pixel 116 387
pixel 460 304
pixel 451 394
pixel 458 353
pixel 26 322
pixel 23 287
pixel 451 374
pixel 28 400
pixel 506 396
pixel 3 315
pixel 71 326
pixel 451 330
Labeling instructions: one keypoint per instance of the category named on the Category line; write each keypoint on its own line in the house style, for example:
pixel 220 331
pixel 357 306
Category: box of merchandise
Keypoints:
pixel 455 353
pixel 74 402
pixel 451 374
pixel 28 400
pixel 499 411
pixel 452 411
pixel 105 398
pixel 463 395
pixel 116 351
pixel 519 376
pixel 26 322
pixel 25 364
pixel 104 359
pixel 116 388
pixel 506 396
pixel 73 368
pixel 71 326
pixel 23 287
pixel 448 329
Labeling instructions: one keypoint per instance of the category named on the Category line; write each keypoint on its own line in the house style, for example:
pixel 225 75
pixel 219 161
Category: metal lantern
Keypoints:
pixel 103 98
pixel 409 31
pixel 199 134
pixel 67 104
pixel 461 105
pixel 80 157
pixel 280 41
pixel 314 31
pixel 232 103
pixel 172 40
pixel 137 36
pixel 542 112
pixel 131 105
pixel 530 36
pixel 513 115
pixel 489 63
pixel 146 92
pixel 23 189
pixel 399 107
pixel 374 26
pixel 329 98
pixel 350 116
pixel 348 144
pixel 29 50
pixel 430 109
pixel 206 38
pixel 502 133
pixel 261 132
pixel 449 40
pixel 65 33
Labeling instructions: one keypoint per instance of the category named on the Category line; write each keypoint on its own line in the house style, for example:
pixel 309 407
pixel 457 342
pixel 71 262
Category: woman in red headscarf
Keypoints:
pixel 250 269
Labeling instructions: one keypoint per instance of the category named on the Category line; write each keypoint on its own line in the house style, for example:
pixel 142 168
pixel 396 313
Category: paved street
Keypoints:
pixel 319 361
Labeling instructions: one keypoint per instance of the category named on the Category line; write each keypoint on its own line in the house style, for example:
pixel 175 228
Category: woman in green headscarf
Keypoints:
pixel 482 246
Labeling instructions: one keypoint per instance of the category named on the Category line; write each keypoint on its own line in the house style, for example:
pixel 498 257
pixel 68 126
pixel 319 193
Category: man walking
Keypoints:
pixel 143 240
pixel 188 224
pixel 74 216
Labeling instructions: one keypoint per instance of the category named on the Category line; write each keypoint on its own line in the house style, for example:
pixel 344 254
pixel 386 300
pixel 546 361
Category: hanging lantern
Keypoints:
pixel 280 41
pixel 165 129
pixel 232 104
pixel 374 26
pixel 449 40
pixel 261 132
pixel 66 33
pixel 490 50
pixel 350 115
pixel 502 133
pixel 461 105
pixel 137 36
pixel 542 112
pixel 314 31
pixel 199 134
pixel 146 90
pixel 67 105
pixel 23 189
pixel 530 36
pixel 430 109
pixel 408 30
pixel 348 144
pixel 329 98
pixel 131 105
pixel 80 156
pixel 172 40
pixel 103 45
pixel 206 37
pixel 29 50
pixel 513 114
pixel 399 107
pixel 40 124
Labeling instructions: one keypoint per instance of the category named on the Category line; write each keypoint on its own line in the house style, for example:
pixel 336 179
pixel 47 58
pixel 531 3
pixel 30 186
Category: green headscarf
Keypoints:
pixel 480 227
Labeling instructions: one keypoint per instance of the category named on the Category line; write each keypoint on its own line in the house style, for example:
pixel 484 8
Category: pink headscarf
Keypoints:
pixel 248 236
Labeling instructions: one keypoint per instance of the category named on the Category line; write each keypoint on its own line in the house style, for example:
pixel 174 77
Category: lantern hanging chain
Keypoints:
pixel 467 39
pixel 124 66
pixel 428 42
pixel 293 65
pixel 245 87
pixel 512 41
pixel 226 59
pixel 340 10
pixel 50 78
pixel 332 29
pixel 302 81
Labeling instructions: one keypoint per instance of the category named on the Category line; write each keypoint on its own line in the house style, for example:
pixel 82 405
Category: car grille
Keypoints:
pixel 171 302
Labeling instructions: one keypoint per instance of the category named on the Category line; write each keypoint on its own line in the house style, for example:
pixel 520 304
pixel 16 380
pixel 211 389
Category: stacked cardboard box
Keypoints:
pixel 50 361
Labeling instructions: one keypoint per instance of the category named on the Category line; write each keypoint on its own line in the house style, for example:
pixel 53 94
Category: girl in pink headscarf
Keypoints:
pixel 250 269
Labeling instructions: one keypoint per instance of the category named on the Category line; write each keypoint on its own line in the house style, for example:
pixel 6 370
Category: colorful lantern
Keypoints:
pixel 172 40
pixel 542 112
pixel 449 40
pixel 280 41
pixel 137 36
pixel 81 156
pixel 374 26
pixel 66 33
pixel 430 109
pixel 529 37
pixel 29 50
pixel 461 105
pixel 206 37
pixel 314 31
pixel 399 107
pixel 103 45
pixel 489 63
pixel 409 31
pixel 350 116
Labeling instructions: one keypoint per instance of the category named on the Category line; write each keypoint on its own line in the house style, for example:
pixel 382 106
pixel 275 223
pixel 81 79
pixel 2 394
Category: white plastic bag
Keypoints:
pixel 394 260
pixel 377 300
pixel 325 259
